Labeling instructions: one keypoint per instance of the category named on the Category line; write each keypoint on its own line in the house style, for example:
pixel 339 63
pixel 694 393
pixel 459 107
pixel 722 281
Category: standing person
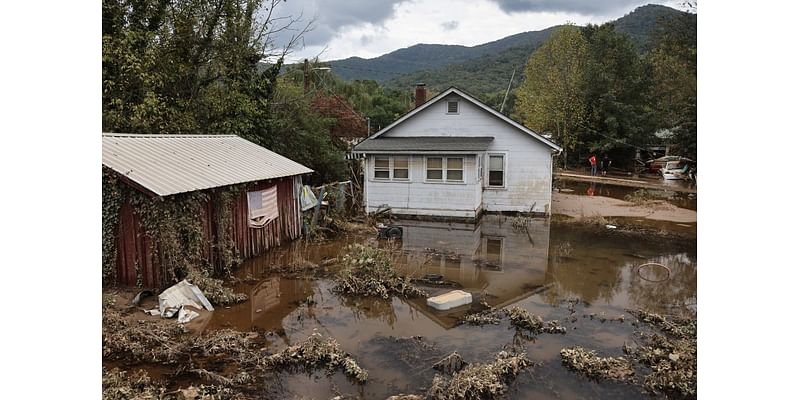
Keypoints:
pixel 604 164
pixel 593 162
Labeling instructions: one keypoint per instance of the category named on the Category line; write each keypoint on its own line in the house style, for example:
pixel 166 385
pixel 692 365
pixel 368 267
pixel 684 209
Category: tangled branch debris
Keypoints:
pixel 672 358
pixel 318 352
pixel 479 381
pixel 488 316
pixel 522 319
pixel 124 385
pixel 213 289
pixel 141 341
pixel 450 364
pixel 588 363
pixel 368 271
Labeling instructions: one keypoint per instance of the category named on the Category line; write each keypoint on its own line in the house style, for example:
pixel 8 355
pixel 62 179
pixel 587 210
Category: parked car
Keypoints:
pixel 679 170
pixel 655 165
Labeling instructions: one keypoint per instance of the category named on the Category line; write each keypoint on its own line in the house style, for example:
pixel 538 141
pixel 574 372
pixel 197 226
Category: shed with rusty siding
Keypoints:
pixel 163 166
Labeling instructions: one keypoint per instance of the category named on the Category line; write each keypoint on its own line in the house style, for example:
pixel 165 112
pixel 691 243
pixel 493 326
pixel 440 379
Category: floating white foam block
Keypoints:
pixel 450 300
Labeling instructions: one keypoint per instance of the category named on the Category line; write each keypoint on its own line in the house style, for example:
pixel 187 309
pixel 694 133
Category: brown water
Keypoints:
pixel 677 198
pixel 539 269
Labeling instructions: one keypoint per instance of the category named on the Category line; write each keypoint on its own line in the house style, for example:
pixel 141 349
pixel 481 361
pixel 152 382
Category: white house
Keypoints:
pixel 453 156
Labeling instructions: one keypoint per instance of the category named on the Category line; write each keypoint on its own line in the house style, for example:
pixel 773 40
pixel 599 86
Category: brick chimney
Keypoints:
pixel 419 95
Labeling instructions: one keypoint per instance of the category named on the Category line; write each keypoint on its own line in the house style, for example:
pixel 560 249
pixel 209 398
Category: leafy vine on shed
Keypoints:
pixel 112 200
pixel 174 223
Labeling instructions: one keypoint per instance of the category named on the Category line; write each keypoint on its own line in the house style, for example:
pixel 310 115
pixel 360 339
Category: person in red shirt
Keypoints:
pixel 593 162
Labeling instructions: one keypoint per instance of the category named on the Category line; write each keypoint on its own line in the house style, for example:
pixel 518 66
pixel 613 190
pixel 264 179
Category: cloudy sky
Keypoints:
pixel 369 28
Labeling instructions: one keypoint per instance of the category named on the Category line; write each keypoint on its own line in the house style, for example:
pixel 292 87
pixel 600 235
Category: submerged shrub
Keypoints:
pixel 480 381
pixel 318 352
pixel 588 363
pixel 368 271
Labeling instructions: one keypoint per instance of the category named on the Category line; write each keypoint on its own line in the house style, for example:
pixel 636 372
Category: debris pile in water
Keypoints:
pixel 590 364
pixel 670 355
pixel 522 319
pixel 214 291
pixel 479 381
pixel 488 316
pixel 124 385
pixel 450 364
pixel 368 271
pixel 671 358
pixel 318 352
pixel 141 341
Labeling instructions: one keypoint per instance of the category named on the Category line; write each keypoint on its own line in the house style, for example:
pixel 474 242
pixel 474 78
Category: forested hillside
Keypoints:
pixel 488 77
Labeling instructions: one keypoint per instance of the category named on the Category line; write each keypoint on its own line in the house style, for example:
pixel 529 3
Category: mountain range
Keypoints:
pixel 486 68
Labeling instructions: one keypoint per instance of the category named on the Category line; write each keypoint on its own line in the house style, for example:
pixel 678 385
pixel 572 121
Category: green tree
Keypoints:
pixel 618 118
pixel 193 67
pixel 673 94
pixel 552 96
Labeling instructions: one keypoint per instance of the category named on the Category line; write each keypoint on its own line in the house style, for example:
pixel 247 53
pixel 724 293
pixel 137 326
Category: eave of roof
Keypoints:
pixel 426 144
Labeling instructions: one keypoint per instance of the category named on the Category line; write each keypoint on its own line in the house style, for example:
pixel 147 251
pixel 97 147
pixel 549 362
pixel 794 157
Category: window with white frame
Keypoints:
pixel 455 169
pixel 497 170
pixel 391 168
pixel 452 107
pixel 449 169
pixel 400 167
pixel 382 170
pixel 433 168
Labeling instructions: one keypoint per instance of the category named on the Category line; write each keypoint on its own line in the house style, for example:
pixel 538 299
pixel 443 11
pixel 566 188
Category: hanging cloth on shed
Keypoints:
pixel 262 206
pixel 307 199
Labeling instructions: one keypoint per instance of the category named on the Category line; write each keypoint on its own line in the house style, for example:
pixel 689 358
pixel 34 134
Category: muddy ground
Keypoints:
pixel 529 279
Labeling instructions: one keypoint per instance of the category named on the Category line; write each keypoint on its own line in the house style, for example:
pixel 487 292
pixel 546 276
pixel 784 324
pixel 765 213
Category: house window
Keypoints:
pixel 450 169
pixel 400 168
pixel 382 168
pixel 496 170
pixel 434 169
pixel 452 107
pixel 455 169
pixel 394 168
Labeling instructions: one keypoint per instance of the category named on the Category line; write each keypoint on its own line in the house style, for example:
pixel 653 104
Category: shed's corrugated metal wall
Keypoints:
pixel 134 247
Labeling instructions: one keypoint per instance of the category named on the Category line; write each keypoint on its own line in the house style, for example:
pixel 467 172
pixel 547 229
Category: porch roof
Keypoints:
pixel 424 144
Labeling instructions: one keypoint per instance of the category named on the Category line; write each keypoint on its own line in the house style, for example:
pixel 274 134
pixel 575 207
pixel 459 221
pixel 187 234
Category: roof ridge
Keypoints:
pixel 165 135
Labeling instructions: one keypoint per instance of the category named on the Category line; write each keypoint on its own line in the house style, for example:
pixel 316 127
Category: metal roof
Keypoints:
pixel 170 164
pixel 425 144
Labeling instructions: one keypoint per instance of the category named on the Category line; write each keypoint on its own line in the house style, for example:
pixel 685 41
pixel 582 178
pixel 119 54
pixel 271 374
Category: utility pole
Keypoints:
pixel 508 90
pixel 306 71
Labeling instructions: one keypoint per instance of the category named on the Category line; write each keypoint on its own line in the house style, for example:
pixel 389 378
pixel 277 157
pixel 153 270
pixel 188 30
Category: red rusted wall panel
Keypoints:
pixel 135 248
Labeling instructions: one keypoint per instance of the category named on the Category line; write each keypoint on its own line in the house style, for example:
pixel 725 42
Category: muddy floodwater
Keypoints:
pixel 542 268
pixel 680 199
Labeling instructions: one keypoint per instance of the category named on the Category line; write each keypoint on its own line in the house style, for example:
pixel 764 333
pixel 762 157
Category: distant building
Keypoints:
pixel 264 210
pixel 454 156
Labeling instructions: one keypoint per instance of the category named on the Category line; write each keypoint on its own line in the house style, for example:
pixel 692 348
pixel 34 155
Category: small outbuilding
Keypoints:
pixel 177 203
pixel 453 156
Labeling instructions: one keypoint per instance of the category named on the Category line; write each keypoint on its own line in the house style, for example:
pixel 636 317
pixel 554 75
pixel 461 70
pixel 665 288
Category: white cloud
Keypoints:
pixel 427 21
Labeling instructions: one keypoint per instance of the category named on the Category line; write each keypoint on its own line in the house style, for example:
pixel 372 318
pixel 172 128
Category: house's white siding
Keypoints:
pixel 417 197
pixel 528 160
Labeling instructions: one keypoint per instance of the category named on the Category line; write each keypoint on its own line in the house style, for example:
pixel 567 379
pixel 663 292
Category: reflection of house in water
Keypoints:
pixel 490 259
pixel 270 301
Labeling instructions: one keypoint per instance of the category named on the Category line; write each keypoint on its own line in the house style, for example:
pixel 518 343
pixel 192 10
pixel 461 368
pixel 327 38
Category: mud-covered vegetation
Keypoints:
pixel 524 320
pixel 368 271
pixel 214 290
pixel 479 381
pixel 588 363
pixel 667 355
pixel 318 352
pixel 206 358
